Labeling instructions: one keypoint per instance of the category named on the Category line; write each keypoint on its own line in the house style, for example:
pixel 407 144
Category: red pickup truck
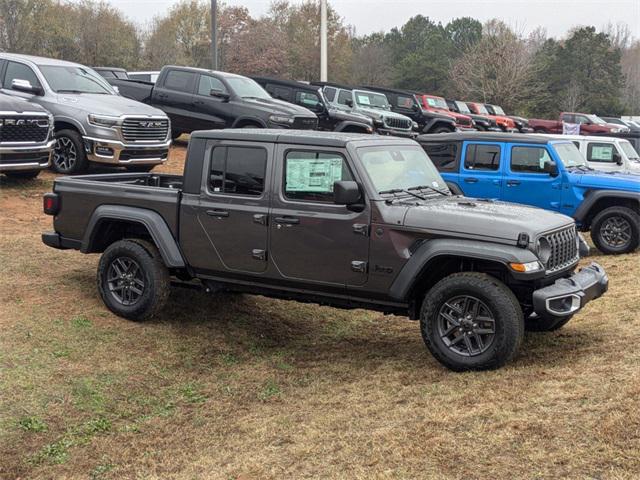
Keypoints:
pixel 505 123
pixel 589 124
pixel 436 104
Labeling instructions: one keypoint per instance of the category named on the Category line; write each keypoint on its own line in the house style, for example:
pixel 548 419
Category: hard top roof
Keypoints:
pixel 486 137
pixel 298 137
pixel 38 60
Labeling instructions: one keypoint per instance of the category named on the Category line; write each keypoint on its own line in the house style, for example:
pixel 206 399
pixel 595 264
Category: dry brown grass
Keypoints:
pixel 249 387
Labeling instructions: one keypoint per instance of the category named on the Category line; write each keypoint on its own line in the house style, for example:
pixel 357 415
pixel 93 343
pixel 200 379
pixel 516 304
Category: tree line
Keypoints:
pixel 535 75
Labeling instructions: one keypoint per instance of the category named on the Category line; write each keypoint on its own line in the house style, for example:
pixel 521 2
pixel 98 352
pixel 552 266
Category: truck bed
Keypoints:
pixel 82 194
pixel 135 89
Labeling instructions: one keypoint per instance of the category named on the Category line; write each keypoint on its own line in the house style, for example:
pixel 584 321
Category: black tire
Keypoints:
pixel 23 175
pixel 442 130
pixel 150 270
pixel 616 230
pixel 69 156
pixel 251 125
pixel 545 323
pixel 140 168
pixel 495 299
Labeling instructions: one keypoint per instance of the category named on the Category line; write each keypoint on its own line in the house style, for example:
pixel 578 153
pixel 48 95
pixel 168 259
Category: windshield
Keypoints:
pixel 482 109
pixel 246 88
pixel 629 151
pixel 597 120
pixel 498 110
pixel 371 100
pixel 399 167
pixel 72 79
pixel 462 107
pixel 437 102
pixel 570 155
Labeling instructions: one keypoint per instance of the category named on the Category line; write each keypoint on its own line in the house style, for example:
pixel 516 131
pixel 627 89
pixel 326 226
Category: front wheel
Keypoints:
pixel 69 156
pixel 132 279
pixel 471 321
pixel 616 230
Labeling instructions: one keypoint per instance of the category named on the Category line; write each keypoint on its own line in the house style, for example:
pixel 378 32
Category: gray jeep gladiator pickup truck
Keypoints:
pixel 347 220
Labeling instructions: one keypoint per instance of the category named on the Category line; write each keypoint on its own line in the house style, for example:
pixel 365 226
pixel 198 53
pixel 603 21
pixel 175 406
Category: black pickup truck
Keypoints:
pixel 199 99
pixel 348 220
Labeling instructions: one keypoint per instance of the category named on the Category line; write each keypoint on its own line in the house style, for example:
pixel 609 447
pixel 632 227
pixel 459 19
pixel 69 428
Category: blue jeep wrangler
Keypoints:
pixel 545 172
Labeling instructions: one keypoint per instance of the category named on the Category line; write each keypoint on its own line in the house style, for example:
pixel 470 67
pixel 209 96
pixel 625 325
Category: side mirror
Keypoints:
pixel 25 86
pixel 116 89
pixel 219 94
pixel 346 193
pixel 617 158
pixel 349 103
pixel 415 107
pixel 551 168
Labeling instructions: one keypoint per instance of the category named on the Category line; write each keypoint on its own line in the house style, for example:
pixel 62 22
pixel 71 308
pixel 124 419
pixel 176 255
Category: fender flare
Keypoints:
pixel 348 123
pixel 252 119
pixel 473 249
pixel 152 221
pixel 592 197
pixel 432 122
pixel 63 118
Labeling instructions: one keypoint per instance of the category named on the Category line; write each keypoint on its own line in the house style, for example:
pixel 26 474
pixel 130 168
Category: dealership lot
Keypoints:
pixel 236 386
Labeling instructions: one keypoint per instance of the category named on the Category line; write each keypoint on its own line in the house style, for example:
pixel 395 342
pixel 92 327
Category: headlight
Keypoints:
pixel 616 130
pixel 526 267
pixel 281 119
pixel 378 122
pixel 543 249
pixel 103 120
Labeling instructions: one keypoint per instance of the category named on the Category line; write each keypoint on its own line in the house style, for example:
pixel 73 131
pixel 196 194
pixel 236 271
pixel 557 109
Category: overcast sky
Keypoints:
pixel 367 16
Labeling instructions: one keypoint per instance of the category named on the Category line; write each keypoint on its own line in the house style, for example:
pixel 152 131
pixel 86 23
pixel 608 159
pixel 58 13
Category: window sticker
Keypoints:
pixel 602 153
pixel 304 175
pixel 364 100
pixel 431 102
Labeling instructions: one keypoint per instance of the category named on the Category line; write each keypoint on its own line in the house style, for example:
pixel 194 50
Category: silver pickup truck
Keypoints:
pixel 92 122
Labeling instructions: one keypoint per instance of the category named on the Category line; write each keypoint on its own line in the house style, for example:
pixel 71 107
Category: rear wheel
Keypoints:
pixel 24 175
pixel 545 323
pixel 69 156
pixel 616 230
pixel 471 321
pixel 132 279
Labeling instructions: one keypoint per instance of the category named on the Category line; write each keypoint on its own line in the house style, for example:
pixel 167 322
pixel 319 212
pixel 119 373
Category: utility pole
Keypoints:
pixel 214 35
pixel 323 40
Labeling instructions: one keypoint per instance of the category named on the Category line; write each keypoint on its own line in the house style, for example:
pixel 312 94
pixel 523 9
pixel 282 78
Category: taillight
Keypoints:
pixel 51 203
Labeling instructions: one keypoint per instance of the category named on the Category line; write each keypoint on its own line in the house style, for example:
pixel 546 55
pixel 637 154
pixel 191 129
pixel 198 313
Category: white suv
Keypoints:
pixel 608 154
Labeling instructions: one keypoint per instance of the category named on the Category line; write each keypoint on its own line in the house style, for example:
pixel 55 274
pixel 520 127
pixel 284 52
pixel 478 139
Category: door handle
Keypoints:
pixel 497 182
pixel 511 183
pixel 217 213
pixel 471 180
pixel 287 220
pixel 198 102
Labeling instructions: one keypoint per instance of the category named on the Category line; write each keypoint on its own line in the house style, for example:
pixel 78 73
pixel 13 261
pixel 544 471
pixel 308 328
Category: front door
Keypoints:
pixel 603 156
pixel 481 174
pixel 525 180
pixel 311 238
pixel 232 211
pixel 211 111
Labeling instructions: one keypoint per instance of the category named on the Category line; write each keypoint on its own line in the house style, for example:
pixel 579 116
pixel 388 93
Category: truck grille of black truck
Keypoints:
pixel 24 129
pixel 145 130
pixel 564 249
pixel 399 123
pixel 304 123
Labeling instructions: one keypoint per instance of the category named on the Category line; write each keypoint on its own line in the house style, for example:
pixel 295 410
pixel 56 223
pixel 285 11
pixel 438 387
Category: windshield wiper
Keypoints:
pixel 402 190
pixel 70 91
pixel 429 187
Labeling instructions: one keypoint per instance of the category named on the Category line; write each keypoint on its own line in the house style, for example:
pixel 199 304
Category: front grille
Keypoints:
pixel 399 123
pixel 31 157
pixel 134 154
pixel 304 123
pixel 464 121
pixel 564 249
pixel 20 128
pixel 145 129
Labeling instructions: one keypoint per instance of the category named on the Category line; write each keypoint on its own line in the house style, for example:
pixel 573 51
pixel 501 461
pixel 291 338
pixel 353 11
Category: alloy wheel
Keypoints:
pixel 125 280
pixel 466 325
pixel 615 232
pixel 64 154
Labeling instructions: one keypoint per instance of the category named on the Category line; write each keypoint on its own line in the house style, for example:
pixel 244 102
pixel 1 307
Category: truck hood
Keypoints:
pixel 607 180
pixel 17 104
pixel 377 113
pixel 114 105
pixel 274 106
pixel 483 218
pixel 348 115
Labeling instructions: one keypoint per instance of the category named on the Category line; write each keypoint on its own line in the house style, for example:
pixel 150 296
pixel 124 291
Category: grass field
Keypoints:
pixel 242 387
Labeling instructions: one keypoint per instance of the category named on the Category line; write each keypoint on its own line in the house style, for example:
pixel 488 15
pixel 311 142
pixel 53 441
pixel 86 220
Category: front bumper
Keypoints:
pixel 396 133
pixel 26 158
pixel 568 295
pixel 115 152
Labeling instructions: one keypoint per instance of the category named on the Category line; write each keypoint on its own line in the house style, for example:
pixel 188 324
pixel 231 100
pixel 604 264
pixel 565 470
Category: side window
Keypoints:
pixel 238 170
pixel 180 81
pixel 330 94
pixel 529 159
pixel 344 96
pixel 582 120
pixel 107 74
pixel 19 71
pixel 601 152
pixel 568 118
pixel 404 102
pixel 208 83
pixel 443 155
pixel 482 157
pixel 121 75
pixel 282 93
pixel 309 176
pixel 309 100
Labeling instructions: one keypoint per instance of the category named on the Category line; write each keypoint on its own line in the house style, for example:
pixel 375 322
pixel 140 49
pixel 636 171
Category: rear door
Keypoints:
pixel 311 238
pixel 525 180
pixel 480 173
pixel 174 95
